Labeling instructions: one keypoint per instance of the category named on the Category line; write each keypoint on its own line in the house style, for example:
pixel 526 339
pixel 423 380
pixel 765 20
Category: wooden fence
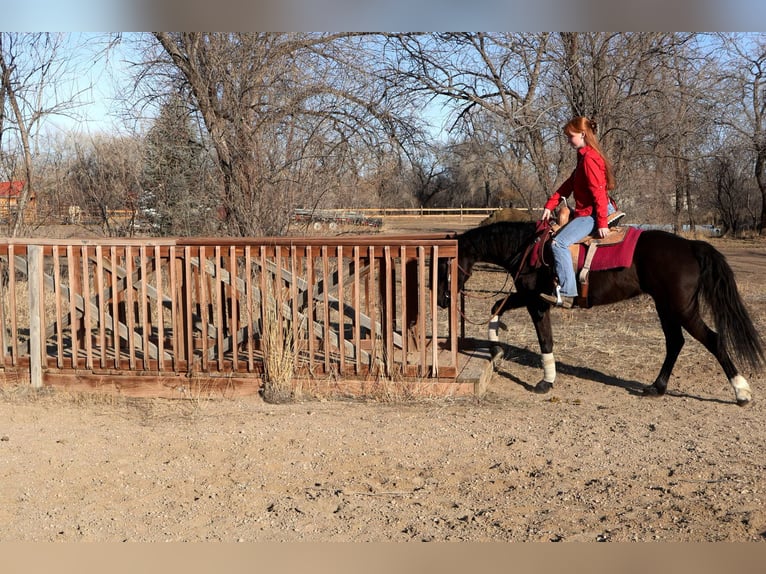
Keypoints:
pixel 145 314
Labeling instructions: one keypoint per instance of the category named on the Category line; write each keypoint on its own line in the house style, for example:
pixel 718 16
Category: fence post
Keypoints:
pixel 36 330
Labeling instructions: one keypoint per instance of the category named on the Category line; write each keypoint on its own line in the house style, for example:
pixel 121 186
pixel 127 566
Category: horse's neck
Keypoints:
pixel 500 252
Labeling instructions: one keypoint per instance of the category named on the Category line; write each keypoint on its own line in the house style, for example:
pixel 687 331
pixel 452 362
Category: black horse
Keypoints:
pixel 677 273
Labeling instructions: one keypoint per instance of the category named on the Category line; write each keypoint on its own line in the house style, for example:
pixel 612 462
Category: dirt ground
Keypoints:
pixel 591 461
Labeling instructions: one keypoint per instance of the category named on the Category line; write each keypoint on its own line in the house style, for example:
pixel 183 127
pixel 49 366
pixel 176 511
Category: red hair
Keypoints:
pixel 583 125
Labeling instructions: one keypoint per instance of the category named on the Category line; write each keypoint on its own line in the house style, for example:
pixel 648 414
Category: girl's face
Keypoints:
pixel 576 140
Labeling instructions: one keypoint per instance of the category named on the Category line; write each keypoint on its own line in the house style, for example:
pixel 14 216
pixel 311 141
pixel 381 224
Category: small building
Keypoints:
pixel 10 194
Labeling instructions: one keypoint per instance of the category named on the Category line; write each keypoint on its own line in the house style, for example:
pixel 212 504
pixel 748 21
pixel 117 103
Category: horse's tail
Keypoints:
pixel 736 332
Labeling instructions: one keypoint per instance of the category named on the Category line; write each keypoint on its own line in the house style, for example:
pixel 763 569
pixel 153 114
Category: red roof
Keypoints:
pixel 11 188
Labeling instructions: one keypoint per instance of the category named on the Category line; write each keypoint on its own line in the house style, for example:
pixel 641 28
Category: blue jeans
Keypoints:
pixel 572 232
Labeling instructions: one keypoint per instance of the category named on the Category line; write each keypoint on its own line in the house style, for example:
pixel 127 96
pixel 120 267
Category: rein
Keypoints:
pixel 464 294
pixel 495 294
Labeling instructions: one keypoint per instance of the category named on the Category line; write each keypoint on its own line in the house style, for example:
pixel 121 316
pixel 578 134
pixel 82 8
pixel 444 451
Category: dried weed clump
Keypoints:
pixel 280 357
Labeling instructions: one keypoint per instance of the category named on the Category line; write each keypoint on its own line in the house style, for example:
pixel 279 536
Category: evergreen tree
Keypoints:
pixel 175 197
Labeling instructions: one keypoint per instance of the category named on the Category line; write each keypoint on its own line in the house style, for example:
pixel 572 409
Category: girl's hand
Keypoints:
pixel 603 232
pixel 546 215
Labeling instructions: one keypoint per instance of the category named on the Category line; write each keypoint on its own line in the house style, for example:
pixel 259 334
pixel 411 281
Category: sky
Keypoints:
pixel 96 81
pixel 399 15
pixel 293 15
pixel 111 78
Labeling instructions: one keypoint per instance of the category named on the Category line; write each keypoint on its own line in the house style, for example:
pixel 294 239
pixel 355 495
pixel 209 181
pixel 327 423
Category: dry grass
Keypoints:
pixel 280 357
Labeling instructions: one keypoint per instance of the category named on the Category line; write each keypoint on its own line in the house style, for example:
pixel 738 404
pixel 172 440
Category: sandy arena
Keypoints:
pixel 591 461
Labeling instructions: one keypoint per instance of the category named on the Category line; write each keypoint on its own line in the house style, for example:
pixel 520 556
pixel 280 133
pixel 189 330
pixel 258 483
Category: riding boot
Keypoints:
pixel 558 300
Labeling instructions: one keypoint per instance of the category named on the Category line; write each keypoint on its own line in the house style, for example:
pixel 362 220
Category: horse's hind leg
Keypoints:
pixel 674 342
pixel 709 338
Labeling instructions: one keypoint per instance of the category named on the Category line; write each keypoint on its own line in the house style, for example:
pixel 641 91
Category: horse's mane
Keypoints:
pixel 496 243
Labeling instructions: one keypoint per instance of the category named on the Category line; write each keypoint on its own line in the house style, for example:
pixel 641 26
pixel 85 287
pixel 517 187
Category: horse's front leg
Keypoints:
pixel 512 301
pixel 541 318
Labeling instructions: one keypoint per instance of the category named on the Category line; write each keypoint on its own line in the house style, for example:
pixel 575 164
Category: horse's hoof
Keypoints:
pixel 543 387
pixel 743 402
pixel 652 391
pixel 496 352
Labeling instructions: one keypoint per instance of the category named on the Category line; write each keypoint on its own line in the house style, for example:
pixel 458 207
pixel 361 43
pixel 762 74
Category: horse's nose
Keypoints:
pixel 443 300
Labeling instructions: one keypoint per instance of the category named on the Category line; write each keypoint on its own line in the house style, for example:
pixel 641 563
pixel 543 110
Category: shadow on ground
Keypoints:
pixel 526 357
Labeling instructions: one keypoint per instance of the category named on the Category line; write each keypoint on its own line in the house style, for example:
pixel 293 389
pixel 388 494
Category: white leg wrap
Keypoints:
pixel 741 388
pixel 494 324
pixel 549 367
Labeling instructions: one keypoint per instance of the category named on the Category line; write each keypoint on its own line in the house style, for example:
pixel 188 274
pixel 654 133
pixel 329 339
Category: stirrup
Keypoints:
pixel 614 218
pixel 558 300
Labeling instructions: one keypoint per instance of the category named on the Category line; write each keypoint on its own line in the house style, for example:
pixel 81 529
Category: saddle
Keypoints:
pixel 584 253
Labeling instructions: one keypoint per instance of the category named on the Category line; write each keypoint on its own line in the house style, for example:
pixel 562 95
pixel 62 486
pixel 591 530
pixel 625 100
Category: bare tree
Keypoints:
pixel 647 93
pixel 492 83
pixel 744 108
pixel 514 92
pixel 287 115
pixel 33 69
pixel 734 195
pixel 105 180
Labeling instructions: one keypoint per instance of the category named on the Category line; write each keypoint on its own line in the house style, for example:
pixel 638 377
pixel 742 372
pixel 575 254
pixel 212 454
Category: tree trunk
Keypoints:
pixel 21 202
pixel 760 162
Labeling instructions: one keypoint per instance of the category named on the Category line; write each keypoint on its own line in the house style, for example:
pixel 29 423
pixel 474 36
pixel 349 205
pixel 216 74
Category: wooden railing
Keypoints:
pixel 157 311
pixel 411 211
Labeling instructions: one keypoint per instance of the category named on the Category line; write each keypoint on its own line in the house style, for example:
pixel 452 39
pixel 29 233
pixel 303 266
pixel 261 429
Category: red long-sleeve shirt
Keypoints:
pixel 588 183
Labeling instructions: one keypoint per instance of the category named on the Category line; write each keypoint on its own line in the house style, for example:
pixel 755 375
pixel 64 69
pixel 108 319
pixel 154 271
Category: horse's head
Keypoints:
pixel 497 243
pixel 443 278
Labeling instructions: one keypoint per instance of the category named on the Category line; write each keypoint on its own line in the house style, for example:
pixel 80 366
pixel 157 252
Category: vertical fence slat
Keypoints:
pixel 390 310
pixel 176 321
pixel 218 312
pixel 3 315
pixel 157 265
pixel 278 295
pixel 341 311
pixel 371 303
pixel 73 290
pixel 249 300
pixel 129 307
pixel 310 305
pixel 404 302
pixel 114 263
pixel 144 307
pixel 452 329
pixel 13 305
pixel 421 324
pixel 326 309
pixel 188 306
pixel 264 297
pixel 101 308
pixel 233 307
pixel 87 318
pixel 296 326
pixel 36 321
pixel 202 285
pixel 357 312
pixel 434 313
pixel 59 331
